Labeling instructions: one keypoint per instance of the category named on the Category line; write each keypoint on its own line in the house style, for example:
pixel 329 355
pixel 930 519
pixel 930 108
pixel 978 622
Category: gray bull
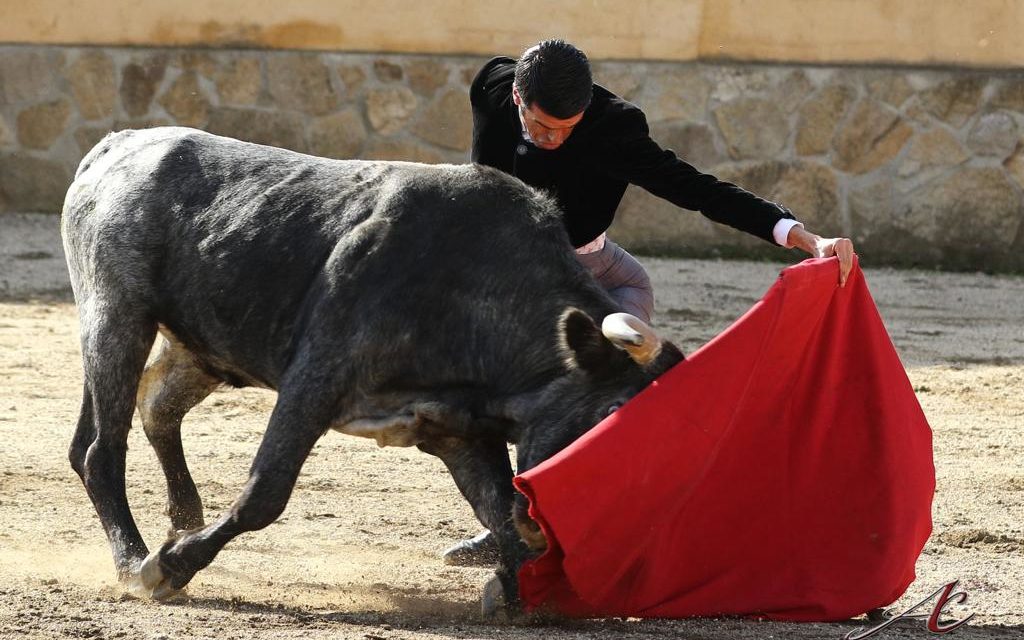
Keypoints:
pixel 431 306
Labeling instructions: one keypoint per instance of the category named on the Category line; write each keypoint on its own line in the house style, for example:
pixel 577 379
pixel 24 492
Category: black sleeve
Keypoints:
pixel 484 98
pixel 631 155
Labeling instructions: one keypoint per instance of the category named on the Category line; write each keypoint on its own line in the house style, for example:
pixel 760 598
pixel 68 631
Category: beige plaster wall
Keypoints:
pixel 932 32
pixel 667 29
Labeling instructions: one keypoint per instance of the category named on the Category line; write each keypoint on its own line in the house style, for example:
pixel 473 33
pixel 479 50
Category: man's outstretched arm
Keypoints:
pixel 641 161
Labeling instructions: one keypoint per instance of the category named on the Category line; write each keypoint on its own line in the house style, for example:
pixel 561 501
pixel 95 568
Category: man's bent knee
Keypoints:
pixel 624 278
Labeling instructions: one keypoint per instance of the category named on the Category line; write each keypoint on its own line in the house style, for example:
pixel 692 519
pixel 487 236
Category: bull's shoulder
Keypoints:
pixel 468 204
pixel 474 184
pixel 512 194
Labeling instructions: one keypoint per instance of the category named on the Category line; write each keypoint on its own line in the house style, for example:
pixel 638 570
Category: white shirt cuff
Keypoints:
pixel 781 231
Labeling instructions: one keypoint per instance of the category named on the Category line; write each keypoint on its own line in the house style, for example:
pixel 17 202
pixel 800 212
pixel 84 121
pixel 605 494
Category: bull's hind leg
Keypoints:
pixel 114 352
pixel 299 419
pixel 171 385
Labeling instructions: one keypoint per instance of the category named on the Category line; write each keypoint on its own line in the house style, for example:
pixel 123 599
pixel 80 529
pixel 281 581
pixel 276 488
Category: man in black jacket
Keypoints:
pixel 541 118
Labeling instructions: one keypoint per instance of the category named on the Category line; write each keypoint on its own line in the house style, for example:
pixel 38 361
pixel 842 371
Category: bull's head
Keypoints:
pixel 606 367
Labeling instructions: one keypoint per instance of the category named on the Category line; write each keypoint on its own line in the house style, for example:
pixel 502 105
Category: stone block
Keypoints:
pixel 645 222
pixel 622 80
pixel 818 118
pixel 274 128
pixel 810 190
pixel 201 62
pixel 931 152
pixel 186 101
pixel 993 134
pixel 869 138
pixel 892 88
pixel 1015 164
pixel 426 75
pixel 40 125
pixel 93 85
pixel 87 137
pixel 694 143
pixel 679 94
pixel 240 82
pixel 32 185
pixel 399 149
pixel 872 206
pixel 353 77
pixel 1009 95
pixel 972 216
pixel 447 121
pixel 339 135
pixel 387 71
pixel 139 83
pixel 752 128
pixel 954 100
pixel 792 90
pixel 731 83
pixel 916 114
pixel 878 231
pixel 468 73
pixel 390 108
pixel 6 135
pixel 27 76
pixel 302 82
pixel 758 178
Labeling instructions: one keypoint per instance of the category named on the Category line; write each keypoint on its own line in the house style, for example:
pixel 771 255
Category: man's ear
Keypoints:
pixel 516 98
pixel 583 344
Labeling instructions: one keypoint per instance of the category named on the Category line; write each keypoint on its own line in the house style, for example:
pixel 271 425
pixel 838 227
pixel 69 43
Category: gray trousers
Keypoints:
pixel 623 277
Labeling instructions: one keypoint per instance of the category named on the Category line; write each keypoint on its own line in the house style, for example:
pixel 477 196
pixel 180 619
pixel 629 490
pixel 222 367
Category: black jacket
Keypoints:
pixel 609 148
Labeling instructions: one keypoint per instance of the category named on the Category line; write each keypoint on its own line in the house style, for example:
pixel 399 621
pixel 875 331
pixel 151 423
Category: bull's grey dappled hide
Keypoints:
pixel 435 306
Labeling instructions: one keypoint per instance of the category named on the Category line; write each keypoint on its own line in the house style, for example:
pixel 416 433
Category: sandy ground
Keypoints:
pixel 356 553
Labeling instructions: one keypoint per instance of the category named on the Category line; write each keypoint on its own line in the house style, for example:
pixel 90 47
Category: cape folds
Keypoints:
pixel 783 471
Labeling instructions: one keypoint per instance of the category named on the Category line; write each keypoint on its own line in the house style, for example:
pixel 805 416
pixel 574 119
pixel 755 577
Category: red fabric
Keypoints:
pixel 784 470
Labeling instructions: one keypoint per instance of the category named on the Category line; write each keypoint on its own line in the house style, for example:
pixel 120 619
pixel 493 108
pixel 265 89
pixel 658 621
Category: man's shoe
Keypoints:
pixel 479 551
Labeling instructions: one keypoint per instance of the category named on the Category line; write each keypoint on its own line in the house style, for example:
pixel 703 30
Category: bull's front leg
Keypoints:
pixel 482 472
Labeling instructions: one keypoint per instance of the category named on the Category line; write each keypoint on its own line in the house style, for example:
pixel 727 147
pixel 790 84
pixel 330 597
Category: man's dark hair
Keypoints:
pixel 555 76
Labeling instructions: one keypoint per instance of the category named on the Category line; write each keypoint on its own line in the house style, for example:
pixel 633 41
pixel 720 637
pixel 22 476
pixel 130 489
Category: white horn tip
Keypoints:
pixel 625 327
pixel 632 334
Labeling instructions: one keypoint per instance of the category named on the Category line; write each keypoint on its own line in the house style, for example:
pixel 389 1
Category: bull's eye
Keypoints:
pixel 612 409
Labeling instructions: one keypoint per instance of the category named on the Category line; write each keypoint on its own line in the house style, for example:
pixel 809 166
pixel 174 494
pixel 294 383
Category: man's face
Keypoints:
pixel 546 131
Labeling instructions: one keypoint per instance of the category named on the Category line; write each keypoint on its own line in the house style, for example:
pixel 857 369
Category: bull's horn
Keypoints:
pixel 632 334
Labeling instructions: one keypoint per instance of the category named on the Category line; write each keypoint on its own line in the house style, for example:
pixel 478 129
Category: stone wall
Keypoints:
pixel 919 166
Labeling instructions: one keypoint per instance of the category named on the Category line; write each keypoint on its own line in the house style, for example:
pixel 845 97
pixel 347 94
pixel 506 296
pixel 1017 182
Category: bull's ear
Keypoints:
pixel 584 345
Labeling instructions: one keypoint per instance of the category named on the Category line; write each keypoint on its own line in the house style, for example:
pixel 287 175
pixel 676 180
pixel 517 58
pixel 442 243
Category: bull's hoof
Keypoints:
pixel 150 582
pixel 492 600
pixel 496 607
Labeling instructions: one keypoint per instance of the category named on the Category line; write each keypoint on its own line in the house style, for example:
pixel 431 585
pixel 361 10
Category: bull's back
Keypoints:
pixel 228 244
pixel 219 241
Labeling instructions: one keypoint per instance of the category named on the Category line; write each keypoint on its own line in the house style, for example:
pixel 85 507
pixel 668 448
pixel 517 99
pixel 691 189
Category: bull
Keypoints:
pixel 439 307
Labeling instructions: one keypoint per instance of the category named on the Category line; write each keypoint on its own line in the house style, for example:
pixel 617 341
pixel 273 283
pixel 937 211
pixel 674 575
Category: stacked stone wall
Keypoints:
pixel 919 166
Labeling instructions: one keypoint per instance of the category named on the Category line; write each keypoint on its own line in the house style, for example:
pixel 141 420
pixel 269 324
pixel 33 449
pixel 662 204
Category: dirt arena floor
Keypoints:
pixel 356 553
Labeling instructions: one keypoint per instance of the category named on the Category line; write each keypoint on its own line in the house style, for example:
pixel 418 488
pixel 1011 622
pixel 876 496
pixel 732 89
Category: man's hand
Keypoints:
pixel 825 248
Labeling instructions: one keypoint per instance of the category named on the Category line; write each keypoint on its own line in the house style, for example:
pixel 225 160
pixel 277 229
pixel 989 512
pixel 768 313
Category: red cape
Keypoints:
pixel 784 470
